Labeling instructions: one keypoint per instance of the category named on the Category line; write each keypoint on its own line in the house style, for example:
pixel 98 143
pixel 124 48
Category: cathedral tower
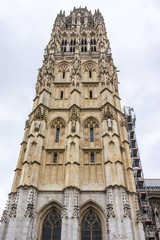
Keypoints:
pixel 74 177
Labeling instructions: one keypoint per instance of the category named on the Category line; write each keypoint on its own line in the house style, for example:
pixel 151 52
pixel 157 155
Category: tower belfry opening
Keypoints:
pixel 74 178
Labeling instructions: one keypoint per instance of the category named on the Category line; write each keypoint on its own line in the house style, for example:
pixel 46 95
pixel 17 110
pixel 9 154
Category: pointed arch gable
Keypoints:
pixel 91 122
pixel 58 122
pixel 90 66
pixel 91 203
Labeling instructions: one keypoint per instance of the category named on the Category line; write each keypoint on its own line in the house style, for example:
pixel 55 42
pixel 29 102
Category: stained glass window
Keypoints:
pixel 51 229
pixel 91 226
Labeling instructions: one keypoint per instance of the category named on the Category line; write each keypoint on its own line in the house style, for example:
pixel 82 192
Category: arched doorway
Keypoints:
pixel 51 228
pixel 91 228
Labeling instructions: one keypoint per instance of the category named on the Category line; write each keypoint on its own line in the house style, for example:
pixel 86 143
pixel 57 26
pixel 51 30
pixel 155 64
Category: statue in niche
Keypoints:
pixel 75 72
pixel 38 87
pixel 48 82
pixel 39 78
pixel 73 125
pixel 37 126
pixel 50 68
pixel 109 123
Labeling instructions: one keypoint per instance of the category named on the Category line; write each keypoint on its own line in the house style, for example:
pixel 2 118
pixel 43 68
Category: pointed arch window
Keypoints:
pixel 63 74
pixel 91 134
pixel 57 134
pixel 90 74
pixel 51 229
pixel 91 228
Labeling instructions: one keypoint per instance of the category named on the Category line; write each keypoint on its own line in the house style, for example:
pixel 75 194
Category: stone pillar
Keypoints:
pixel 70 214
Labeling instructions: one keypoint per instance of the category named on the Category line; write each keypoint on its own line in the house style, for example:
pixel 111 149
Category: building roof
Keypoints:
pixel 152 182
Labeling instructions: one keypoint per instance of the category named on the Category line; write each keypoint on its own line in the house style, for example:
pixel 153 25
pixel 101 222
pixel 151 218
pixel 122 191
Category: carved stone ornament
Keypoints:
pixel 37 125
pixel 27 123
pixel 76 63
pixel 74 116
pixel 58 122
pixel 126 206
pixel 90 67
pixel 4 217
pixel 138 216
pixel 109 205
pixel 103 66
pixel 75 213
pixel 108 112
pixel 91 122
pixel 123 121
pixel 65 202
pixel 64 68
pixel 30 204
pixel 40 114
pixel 13 209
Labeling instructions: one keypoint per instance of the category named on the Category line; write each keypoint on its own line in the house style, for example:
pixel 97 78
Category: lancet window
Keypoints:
pixel 93 45
pixel 57 134
pixel 91 228
pixel 91 133
pixel 59 129
pixel 51 229
pixel 84 45
pixel 63 45
pixel 55 158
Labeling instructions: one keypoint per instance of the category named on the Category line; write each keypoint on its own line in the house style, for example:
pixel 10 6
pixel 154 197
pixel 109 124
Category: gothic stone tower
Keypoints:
pixel 74 177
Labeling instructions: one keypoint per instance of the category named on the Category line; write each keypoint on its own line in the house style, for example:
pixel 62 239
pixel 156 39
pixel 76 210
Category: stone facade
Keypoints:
pixel 75 152
pixel 153 192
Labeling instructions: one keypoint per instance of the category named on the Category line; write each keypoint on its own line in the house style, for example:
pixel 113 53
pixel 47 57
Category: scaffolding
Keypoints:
pixel 138 174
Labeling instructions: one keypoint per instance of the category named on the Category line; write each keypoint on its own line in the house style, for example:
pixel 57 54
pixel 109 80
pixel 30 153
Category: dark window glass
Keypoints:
pixel 85 49
pixel 91 135
pixel 91 49
pixel 91 226
pixel 62 42
pixel 82 49
pixel 94 49
pixel 61 95
pixel 73 49
pixel 92 157
pixel 64 49
pixel 55 158
pixel 65 42
pixel 57 134
pixel 90 74
pixel 74 42
pixel 70 49
pixel 94 41
pixel 90 94
pixel 85 41
pixel 63 74
pixel 51 229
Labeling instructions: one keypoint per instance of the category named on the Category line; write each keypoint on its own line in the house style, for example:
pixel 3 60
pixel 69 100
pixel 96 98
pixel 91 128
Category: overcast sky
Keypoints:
pixel 133 29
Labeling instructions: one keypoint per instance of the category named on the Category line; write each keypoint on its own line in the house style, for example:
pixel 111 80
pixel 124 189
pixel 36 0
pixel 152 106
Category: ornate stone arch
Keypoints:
pixel 91 211
pixel 58 122
pixel 91 122
pixel 50 208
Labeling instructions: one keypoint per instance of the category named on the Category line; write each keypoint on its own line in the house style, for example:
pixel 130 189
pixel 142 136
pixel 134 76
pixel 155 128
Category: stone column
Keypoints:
pixel 70 215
